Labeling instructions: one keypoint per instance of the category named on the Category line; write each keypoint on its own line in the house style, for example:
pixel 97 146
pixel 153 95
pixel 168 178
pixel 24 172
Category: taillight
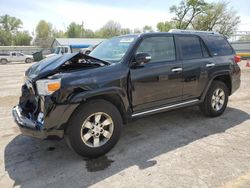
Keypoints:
pixel 237 58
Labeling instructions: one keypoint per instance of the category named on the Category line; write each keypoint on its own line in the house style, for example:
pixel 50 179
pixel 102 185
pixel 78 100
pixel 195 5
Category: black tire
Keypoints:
pixel 28 60
pixel 207 106
pixel 3 61
pixel 82 113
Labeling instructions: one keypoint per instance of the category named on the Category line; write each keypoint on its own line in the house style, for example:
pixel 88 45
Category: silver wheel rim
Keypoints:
pixel 97 129
pixel 218 99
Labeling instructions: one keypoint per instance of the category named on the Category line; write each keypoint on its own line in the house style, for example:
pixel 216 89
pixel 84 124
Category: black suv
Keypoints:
pixel 88 98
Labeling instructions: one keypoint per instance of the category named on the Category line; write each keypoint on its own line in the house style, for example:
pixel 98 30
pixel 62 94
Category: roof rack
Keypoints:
pixel 193 31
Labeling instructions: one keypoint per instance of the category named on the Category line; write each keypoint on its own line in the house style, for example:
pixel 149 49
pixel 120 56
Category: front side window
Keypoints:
pixel 159 48
pixel 114 49
pixel 190 47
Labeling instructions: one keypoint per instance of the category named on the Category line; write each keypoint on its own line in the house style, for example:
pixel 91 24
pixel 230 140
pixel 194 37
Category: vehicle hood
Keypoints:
pixel 47 66
pixel 51 65
pixel 29 56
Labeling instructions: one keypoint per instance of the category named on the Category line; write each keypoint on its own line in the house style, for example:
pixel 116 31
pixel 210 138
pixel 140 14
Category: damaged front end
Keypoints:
pixel 29 115
pixel 40 113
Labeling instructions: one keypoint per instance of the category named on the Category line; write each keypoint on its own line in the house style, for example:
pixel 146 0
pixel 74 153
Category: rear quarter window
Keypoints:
pixel 218 46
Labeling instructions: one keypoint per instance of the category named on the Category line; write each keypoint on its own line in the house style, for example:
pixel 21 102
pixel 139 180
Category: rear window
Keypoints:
pixel 218 46
pixel 190 47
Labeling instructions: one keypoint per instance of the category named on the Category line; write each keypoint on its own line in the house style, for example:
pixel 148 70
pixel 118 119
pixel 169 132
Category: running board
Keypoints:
pixel 187 103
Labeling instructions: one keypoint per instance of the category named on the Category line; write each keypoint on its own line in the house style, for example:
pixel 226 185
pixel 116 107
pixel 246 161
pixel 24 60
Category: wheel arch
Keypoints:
pixel 224 77
pixel 114 99
pixel 116 96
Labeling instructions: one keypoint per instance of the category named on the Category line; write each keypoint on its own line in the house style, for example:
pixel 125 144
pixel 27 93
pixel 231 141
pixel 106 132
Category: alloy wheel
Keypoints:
pixel 97 129
pixel 218 99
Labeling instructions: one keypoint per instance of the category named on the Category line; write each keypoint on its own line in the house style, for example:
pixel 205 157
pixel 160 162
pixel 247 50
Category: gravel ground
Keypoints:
pixel 180 148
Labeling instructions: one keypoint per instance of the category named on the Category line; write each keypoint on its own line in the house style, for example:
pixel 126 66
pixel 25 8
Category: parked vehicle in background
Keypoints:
pixel 15 57
pixel 87 99
pixel 67 49
pixel 88 50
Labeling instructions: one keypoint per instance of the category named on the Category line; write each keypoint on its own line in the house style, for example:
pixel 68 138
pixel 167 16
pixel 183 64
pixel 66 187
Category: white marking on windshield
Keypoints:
pixel 126 40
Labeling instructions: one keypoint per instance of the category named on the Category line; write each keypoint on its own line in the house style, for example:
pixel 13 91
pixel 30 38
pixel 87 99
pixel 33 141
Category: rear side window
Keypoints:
pixel 190 47
pixel 160 48
pixel 218 45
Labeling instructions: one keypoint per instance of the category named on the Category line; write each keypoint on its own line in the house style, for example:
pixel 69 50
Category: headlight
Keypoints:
pixel 47 87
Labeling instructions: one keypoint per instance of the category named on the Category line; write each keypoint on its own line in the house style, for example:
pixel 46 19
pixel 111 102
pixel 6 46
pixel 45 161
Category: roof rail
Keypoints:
pixel 193 31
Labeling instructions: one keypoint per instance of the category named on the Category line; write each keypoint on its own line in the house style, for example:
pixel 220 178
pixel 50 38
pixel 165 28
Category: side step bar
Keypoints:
pixel 187 103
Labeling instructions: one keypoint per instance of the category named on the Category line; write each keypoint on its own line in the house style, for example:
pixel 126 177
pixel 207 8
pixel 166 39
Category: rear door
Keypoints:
pixel 196 62
pixel 159 81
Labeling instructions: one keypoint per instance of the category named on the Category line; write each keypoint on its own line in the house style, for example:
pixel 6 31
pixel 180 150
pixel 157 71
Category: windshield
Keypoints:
pixel 114 49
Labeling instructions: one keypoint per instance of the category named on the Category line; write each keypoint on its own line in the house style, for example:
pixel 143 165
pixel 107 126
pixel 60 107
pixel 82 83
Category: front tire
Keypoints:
pixel 94 128
pixel 28 60
pixel 216 99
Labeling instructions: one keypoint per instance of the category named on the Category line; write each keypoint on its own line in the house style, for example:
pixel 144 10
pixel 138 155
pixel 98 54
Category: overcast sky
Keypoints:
pixel 95 13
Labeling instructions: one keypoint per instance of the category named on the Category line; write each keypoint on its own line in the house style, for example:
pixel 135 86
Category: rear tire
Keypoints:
pixel 216 99
pixel 94 128
pixel 3 61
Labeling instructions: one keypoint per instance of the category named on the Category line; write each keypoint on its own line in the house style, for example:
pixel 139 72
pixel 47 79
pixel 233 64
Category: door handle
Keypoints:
pixel 210 65
pixel 176 69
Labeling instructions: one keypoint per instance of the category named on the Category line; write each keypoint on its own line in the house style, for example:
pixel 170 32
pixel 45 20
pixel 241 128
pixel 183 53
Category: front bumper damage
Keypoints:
pixel 32 127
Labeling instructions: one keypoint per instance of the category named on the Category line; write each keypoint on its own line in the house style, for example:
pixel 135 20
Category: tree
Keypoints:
pixel 88 33
pixel 43 29
pixel 5 38
pixel 10 24
pixel 75 30
pixel 58 33
pixel 125 31
pixel 218 17
pixel 245 38
pixel 186 11
pixel 8 29
pixel 22 38
pixel 165 26
pixel 147 28
pixel 137 30
pixel 44 34
pixel 110 29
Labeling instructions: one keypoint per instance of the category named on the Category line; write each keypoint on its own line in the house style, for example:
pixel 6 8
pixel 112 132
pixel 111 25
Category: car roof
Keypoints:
pixel 198 33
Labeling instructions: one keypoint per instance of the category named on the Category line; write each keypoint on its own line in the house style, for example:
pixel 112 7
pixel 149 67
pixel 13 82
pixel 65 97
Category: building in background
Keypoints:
pixel 76 42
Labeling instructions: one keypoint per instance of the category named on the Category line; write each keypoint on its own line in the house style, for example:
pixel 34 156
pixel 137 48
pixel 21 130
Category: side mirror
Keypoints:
pixel 142 58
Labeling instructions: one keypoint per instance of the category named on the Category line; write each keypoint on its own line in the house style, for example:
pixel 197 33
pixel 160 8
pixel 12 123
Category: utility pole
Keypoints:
pixel 82 28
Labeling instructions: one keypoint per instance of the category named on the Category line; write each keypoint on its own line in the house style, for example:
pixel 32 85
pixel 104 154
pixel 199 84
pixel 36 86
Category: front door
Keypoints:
pixel 158 82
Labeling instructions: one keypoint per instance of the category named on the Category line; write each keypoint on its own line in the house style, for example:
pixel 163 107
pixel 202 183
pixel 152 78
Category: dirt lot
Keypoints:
pixel 174 149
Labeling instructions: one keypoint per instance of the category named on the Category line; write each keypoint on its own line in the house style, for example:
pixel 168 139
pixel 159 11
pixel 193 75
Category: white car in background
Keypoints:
pixel 15 57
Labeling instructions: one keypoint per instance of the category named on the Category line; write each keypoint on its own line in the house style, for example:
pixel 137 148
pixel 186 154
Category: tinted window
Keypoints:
pixel 218 46
pixel 190 47
pixel 160 48
pixel 204 50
